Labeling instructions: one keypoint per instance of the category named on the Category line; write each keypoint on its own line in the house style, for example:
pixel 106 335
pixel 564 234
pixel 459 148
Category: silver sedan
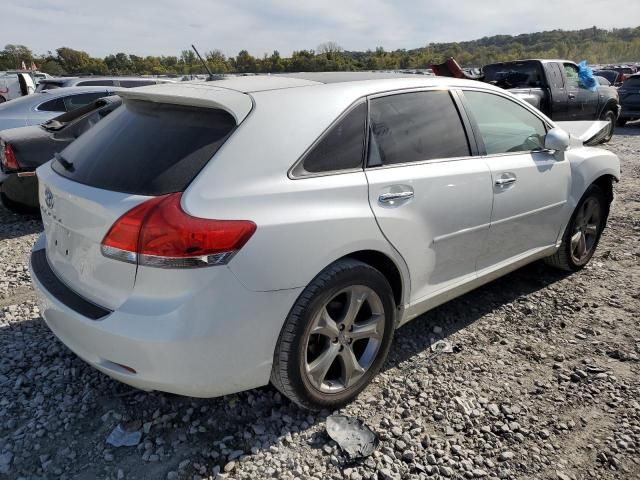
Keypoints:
pixel 40 107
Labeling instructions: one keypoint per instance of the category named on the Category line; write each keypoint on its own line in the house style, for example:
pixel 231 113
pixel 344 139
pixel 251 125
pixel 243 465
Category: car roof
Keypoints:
pixel 261 83
pixel 236 94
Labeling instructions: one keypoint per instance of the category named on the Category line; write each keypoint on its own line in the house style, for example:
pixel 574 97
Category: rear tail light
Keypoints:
pixel 158 233
pixel 9 160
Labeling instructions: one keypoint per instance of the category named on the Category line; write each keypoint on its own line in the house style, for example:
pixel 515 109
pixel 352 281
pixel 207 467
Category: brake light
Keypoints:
pixel 9 160
pixel 158 233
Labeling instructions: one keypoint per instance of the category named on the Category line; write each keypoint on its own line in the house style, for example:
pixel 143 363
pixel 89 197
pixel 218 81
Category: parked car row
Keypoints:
pixel 24 149
pixel 206 238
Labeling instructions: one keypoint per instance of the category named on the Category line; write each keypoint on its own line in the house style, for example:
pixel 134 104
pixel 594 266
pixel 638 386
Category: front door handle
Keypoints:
pixel 501 182
pixel 391 196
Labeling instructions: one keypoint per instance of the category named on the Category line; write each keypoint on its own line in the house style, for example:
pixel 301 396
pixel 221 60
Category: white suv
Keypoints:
pixel 207 238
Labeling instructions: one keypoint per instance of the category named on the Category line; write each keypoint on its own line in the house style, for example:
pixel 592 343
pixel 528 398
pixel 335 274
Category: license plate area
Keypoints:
pixel 61 240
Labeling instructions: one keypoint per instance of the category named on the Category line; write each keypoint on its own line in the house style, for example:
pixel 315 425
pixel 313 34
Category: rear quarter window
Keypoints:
pixel 341 148
pixel 146 148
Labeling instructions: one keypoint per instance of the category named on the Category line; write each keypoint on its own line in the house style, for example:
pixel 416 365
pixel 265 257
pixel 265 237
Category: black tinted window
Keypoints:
pixel 96 83
pixel 633 82
pixel 415 126
pixel 146 148
pixel 77 101
pixel 136 83
pixel 55 105
pixel 341 147
pixel 513 75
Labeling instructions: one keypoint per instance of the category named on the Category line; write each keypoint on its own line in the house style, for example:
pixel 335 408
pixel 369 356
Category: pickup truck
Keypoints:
pixel 554 87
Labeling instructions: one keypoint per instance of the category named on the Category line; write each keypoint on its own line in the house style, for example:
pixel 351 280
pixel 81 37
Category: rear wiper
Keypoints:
pixel 64 162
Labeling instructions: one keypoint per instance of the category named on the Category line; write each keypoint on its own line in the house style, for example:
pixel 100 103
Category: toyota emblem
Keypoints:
pixel 48 198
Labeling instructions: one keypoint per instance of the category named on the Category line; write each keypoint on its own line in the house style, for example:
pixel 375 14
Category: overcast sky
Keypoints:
pixel 165 27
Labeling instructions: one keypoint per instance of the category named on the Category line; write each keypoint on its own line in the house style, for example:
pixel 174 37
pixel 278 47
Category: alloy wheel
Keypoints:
pixel 344 339
pixel 585 232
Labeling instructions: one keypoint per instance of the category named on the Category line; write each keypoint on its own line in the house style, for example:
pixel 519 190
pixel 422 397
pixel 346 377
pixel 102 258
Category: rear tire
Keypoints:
pixel 17 207
pixel 609 115
pixel 583 232
pixel 336 337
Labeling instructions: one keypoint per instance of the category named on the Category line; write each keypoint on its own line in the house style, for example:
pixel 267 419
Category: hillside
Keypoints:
pixel 593 44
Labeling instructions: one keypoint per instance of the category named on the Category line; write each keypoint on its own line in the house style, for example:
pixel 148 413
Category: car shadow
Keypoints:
pixel 207 430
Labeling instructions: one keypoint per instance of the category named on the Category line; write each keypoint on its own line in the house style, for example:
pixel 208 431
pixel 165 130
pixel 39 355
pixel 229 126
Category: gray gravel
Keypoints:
pixel 543 383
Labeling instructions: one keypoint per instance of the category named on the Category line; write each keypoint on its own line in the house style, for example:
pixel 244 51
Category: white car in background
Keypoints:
pixel 15 85
pixel 209 238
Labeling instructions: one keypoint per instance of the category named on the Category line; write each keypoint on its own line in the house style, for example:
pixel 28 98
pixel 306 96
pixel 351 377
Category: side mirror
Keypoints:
pixel 556 139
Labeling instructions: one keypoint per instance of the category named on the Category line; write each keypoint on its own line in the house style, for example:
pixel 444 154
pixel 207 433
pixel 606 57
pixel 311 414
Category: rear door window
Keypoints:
pixel 146 148
pixel 413 127
pixel 76 101
pixel 136 83
pixel 96 83
pixel 572 73
pixel 55 105
pixel 341 148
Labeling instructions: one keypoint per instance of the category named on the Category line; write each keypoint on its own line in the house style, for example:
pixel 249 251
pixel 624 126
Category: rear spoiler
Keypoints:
pixel 234 102
pixel 587 131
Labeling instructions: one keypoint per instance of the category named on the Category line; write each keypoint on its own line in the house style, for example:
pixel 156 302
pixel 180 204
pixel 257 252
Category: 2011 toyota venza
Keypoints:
pixel 212 237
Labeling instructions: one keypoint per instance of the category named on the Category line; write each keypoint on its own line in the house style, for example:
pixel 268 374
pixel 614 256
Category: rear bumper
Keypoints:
pixel 210 345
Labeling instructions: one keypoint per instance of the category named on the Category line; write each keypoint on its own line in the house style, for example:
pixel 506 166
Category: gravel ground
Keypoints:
pixel 544 382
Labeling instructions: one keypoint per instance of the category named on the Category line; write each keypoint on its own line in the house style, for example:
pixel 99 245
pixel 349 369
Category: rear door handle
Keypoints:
pixel 391 196
pixel 572 96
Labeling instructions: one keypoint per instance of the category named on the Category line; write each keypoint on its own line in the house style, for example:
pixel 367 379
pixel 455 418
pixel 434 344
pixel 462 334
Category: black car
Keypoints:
pixel 630 99
pixel 24 149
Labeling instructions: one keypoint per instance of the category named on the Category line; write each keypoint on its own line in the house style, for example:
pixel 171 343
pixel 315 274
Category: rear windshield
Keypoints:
pixel 146 148
pixel 514 75
pixel 42 86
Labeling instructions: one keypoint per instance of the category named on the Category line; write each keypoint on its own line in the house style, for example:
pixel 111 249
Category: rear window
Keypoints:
pixel 146 148
pixel 42 86
pixel 514 75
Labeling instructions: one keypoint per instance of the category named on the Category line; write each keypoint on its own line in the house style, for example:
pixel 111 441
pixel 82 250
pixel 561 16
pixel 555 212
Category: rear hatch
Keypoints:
pixel 155 144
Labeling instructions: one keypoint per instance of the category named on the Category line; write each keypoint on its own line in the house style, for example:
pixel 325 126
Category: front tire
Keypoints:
pixel 609 116
pixel 583 233
pixel 336 337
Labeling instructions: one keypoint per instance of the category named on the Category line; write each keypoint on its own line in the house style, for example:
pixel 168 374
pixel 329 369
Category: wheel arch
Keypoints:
pixel 385 265
pixel 610 104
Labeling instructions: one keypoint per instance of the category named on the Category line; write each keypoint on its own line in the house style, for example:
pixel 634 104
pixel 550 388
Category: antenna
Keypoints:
pixel 203 62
